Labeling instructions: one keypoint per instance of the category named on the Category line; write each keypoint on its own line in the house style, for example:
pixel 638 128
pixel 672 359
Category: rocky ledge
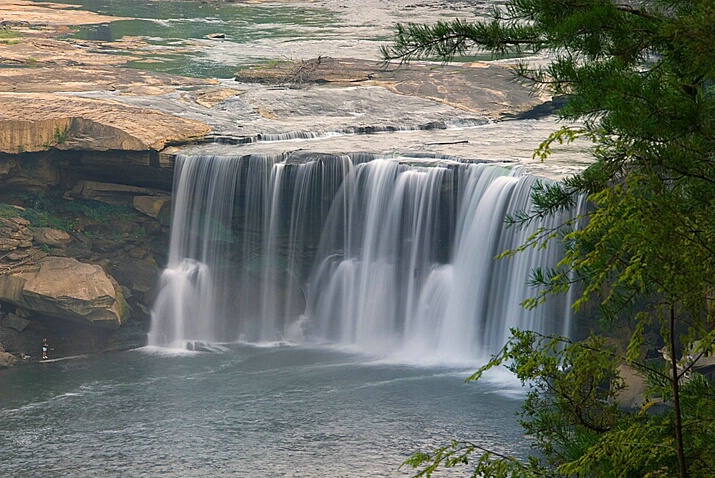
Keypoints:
pixel 32 122
pixel 477 87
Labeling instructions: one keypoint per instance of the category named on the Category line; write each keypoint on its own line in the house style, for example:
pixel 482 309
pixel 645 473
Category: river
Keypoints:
pixel 269 411
pixel 276 408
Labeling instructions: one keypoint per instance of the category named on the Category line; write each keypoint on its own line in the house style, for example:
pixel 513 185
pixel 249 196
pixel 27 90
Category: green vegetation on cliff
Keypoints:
pixel 640 78
pixel 51 209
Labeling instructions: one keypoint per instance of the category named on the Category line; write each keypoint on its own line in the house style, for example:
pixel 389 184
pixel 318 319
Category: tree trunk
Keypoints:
pixel 676 399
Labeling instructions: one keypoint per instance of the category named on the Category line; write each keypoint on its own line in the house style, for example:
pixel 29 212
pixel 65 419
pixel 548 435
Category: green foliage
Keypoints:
pixel 572 418
pixel 42 211
pixel 52 210
pixel 640 79
pixel 7 33
pixel 61 134
pixel 8 212
pixel 8 37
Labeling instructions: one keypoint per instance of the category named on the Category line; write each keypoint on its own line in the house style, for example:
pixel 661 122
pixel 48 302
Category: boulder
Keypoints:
pixel 152 205
pixel 7 360
pixel 139 275
pixel 65 288
pixel 51 237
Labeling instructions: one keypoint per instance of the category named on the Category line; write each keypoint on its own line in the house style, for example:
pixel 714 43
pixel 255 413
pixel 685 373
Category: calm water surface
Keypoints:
pixel 250 411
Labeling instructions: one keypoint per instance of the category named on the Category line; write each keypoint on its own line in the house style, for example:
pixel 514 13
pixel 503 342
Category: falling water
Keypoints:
pixel 243 231
pixel 200 239
pixel 384 233
pixel 383 255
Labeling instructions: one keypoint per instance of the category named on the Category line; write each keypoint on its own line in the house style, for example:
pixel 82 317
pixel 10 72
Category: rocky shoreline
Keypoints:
pixel 87 282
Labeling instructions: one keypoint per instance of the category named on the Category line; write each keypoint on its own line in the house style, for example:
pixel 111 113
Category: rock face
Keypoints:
pixel 14 234
pixel 158 207
pixel 35 122
pixel 14 322
pixel 50 237
pixel 107 192
pixel 65 288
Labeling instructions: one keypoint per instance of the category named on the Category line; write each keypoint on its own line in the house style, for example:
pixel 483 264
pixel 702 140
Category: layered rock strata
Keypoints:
pixel 37 122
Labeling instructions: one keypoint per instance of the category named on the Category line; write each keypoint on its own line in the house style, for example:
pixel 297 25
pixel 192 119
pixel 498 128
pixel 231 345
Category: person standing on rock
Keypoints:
pixel 45 348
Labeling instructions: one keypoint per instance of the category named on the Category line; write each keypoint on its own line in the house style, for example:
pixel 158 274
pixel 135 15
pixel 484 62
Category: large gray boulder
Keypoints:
pixel 65 288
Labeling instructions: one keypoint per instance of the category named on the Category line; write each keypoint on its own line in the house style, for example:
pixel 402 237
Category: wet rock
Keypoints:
pixel 126 292
pixel 79 251
pixel 138 253
pixel 122 227
pixel 139 275
pixel 51 237
pixel 83 239
pixel 475 87
pixel 130 336
pixel 106 246
pixel 211 97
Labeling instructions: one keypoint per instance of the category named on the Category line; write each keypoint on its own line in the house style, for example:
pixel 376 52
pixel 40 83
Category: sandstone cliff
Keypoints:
pixel 31 122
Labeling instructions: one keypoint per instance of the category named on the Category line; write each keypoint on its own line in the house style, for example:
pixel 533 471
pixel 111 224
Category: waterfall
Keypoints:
pixel 388 256
pixel 380 240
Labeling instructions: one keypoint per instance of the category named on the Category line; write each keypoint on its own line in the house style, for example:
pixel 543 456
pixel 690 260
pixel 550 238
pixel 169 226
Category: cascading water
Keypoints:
pixel 186 306
pixel 384 255
pixel 243 230
pixel 385 231
pixel 388 283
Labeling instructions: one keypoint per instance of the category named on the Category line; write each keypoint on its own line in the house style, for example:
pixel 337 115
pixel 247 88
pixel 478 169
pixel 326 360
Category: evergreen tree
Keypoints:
pixel 640 80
